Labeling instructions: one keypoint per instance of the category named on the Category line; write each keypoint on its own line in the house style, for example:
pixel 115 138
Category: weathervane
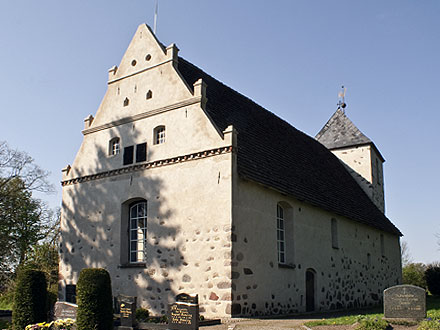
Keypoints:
pixel 341 97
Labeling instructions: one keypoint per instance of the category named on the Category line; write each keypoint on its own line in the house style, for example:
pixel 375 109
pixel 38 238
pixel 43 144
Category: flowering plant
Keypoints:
pixel 66 324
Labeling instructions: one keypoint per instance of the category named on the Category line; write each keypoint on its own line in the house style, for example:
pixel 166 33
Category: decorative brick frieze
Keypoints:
pixel 146 166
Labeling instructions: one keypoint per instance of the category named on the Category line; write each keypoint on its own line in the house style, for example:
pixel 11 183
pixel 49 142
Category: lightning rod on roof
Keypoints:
pixel 341 99
pixel 155 17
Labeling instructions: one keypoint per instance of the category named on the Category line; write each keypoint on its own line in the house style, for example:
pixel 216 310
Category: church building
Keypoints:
pixel 182 184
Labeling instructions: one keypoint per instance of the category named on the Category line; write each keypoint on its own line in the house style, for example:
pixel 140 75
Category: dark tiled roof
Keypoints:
pixel 341 132
pixel 275 154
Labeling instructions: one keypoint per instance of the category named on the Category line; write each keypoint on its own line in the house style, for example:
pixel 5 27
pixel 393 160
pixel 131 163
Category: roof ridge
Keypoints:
pixel 274 153
pixel 242 96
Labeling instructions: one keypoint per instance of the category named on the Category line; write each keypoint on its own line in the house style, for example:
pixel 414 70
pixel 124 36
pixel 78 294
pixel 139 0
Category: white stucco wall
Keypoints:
pixel 343 277
pixel 188 234
pixel 186 182
pixel 368 170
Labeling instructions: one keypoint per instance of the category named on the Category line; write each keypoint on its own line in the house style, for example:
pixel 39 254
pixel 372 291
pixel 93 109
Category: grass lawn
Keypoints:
pixel 432 308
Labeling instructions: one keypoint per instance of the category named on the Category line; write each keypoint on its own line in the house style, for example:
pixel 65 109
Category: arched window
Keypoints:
pixel 126 102
pixel 285 239
pixel 138 232
pixel 281 235
pixel 159 135
pixel 114 146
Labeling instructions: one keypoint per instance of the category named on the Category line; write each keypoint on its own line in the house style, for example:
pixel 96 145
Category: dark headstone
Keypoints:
pixel 71 293
pixel 127 310
pixel 184 313
pixel 65 310
pixel 404 301
pixel 184 297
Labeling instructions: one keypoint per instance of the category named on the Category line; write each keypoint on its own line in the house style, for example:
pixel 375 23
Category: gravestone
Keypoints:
pixel 184 313
pixel 127 310
pixel 65 310
pixel 404 301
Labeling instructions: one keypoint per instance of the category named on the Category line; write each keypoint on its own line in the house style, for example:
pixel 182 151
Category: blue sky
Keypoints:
pixel 290 56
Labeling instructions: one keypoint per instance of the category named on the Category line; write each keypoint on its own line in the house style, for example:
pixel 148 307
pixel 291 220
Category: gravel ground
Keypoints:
pixel 285 324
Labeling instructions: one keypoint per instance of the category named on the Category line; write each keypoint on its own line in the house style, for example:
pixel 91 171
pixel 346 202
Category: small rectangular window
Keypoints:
pixel 128 155
pixel 382 245
pixel 334 229
pixel 141 152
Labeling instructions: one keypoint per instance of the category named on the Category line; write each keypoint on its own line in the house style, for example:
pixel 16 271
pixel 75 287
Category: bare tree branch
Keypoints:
pixel 404 253
pixel 18 164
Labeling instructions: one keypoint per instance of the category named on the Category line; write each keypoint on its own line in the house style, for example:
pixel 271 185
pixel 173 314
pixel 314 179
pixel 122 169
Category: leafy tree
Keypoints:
pixel 24 220
pixel 414 274
pixel 432 275
pixel 44 257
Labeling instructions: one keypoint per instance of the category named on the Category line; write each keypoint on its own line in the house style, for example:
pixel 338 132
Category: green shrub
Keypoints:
pixel 432 275
pixel 429 324
pixel 368 323
pixel 94 298
pixel 29 299
pixel 142 314
pixel 414 274
pixel 4 324
pixel 7 300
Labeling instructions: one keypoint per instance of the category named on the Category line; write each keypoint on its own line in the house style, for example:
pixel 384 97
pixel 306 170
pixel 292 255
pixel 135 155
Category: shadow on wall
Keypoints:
pixel 95 229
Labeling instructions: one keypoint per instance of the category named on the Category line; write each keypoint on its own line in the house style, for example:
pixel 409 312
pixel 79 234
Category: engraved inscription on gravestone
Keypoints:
pixel 184 313
pixel 405 301
pixel 65 310
pixel 127 309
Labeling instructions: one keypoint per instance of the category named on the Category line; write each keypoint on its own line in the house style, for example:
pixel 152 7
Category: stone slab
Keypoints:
pixel 65 310
pixel 404 302
pixel 183 316
pixel 127 310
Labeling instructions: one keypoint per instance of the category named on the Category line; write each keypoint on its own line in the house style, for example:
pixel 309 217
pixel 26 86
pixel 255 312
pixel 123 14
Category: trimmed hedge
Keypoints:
pixel 432 275
pixel 30 299
pixel 94 299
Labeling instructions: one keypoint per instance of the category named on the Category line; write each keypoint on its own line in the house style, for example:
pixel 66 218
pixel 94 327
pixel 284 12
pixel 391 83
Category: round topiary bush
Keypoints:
pixel 432 275
pixel 29 299
pixel 94 299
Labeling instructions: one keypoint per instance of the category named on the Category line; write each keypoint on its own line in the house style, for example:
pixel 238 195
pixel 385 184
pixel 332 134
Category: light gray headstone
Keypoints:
pixel 404 301
pixel 65 310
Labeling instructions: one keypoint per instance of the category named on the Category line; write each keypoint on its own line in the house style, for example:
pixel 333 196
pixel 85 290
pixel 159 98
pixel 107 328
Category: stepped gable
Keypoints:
pixel 274 153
